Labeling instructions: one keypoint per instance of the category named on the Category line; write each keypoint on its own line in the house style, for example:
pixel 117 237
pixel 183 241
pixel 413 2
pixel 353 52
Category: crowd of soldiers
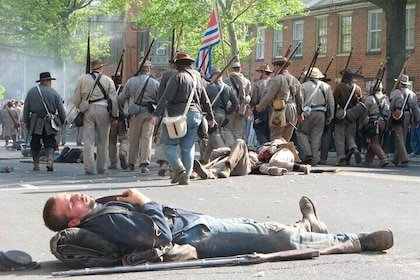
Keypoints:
pixel 296 121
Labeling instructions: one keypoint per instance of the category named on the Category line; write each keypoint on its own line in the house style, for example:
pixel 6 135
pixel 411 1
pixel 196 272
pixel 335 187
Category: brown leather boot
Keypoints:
pixel 50 159
pixel 376 241
pixel 308 210
pixel 35 159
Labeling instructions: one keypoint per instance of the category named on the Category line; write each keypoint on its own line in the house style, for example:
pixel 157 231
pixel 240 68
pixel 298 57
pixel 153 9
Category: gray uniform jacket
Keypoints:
pixel 133 88
pixel 85 85
pixel 397 98
pixel 227 100
pixel 176 95
pixel 33 105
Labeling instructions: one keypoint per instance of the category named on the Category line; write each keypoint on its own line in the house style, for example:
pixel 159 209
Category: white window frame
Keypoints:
pixel 298 36
pixel 410 21
pixel 161 49
pixel 259 53
pixel 278 42
pixel 322 34
pixel 374 30
pixel 344 40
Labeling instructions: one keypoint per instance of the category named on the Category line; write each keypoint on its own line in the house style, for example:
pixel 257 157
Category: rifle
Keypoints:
pixel 88 54
pixel 312 65
pixel 118 66
pixel 255 258
pixel 348 62
pixel 227 65
pixel 173 45
pixel 301 73
pixel 325 79
pixel 288 58
pixel 379 76
pixel 401 73
pixel 288 50
pixel 145 57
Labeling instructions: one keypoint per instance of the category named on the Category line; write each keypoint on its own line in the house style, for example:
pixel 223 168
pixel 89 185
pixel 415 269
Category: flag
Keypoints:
pixel 211 37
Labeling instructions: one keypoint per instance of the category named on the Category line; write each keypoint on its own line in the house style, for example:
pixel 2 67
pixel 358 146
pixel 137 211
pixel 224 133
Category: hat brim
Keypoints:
pixel 45 79
pixel 404 83
pixel 99 66
pixel 184 59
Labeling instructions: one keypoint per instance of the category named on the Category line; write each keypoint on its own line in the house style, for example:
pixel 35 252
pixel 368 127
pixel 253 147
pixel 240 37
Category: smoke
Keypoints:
pixel 20 71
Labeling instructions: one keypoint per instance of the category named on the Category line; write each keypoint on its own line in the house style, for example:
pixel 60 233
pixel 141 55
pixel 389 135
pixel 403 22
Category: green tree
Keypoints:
pixel 55 28
pixel 190 17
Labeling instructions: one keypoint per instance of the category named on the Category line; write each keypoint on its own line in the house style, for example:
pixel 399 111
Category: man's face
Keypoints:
pixel 73 206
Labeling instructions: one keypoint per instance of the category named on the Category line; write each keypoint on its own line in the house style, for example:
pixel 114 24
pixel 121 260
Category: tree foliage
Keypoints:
pixel 54 28
pixel 189 19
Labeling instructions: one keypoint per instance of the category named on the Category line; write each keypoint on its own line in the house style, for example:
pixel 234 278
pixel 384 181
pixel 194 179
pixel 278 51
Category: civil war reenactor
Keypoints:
pixel 141 91
pixel 10 117
pixel 224 102
pixel 260 124
pixel 242 86
pixel 96 97
pixel 373 124
pixel 404 112
pixel 35 116
pixel 286 101
pixel 318 106
pixel 347 94
pixel 118 132
pixel 159 154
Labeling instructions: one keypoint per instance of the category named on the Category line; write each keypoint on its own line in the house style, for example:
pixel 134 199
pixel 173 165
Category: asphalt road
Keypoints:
pixel 355 200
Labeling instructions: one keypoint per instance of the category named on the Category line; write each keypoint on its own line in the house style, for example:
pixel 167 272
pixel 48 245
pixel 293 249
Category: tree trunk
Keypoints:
pixel 395 37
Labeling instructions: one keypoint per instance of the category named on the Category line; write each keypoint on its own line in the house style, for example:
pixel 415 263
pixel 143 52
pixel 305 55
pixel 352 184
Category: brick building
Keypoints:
pixel 338 26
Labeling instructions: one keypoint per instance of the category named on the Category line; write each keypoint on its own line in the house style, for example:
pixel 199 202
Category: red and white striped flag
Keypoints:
pixel 211 37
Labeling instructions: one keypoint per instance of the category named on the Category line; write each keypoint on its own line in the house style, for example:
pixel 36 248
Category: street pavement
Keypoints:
pixel 357 199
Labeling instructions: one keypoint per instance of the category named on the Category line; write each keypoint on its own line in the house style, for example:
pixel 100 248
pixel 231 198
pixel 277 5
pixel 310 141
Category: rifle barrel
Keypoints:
pixel 298 254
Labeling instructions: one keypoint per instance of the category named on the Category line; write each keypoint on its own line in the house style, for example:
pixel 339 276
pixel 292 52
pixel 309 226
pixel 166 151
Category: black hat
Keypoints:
pixel 44 76
pixel 348 74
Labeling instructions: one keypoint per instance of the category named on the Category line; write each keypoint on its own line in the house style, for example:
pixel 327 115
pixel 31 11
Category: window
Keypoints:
pixel 409 24
pixel 345 34
pixel 322 24
pixel 374 31
pixel 261 42
pixel 160 48
pixel 278 42
pixel 298 36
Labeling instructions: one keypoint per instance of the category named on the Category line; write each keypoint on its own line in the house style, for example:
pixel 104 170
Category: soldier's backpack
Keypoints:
pixel 78 247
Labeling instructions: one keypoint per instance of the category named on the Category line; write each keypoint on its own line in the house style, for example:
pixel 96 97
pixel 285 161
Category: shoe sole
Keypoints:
pixel 199 169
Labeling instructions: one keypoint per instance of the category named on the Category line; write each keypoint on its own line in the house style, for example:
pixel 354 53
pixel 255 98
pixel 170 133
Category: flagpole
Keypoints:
pixel 221 32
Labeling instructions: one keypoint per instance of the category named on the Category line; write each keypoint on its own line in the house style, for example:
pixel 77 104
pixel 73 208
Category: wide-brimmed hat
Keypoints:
pixel 350 75
pixel 216 71
pixel 280 61
pixel 44 76
pixel 147 63
pixel 96 64
pixel 405 80
pixel 236 65
pixel 183 56
pixel 315 73
pixel 264 68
